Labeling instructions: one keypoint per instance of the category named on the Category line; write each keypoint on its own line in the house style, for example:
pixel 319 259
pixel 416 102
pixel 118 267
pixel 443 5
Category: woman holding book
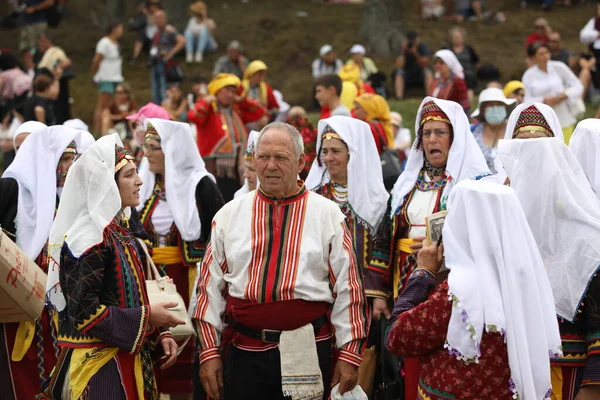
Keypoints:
pixel 443 154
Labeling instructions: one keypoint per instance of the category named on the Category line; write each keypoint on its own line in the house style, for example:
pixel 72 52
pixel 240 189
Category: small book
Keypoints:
pixel 434 225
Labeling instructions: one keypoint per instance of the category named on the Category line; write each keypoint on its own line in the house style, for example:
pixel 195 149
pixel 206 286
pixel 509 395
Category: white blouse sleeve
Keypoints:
pixel 589 34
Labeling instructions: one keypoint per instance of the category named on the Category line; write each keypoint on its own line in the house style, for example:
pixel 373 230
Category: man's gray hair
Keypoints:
pixel 295 135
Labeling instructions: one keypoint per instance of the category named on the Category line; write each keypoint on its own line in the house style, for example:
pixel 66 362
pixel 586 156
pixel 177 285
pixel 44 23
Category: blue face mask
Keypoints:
pixel 495 115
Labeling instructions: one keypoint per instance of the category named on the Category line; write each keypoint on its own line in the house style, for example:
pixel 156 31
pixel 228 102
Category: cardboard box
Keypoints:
pixel 22 284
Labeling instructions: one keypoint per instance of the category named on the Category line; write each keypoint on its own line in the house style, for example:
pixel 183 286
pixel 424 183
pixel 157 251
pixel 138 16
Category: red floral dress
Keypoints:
pixel 421 332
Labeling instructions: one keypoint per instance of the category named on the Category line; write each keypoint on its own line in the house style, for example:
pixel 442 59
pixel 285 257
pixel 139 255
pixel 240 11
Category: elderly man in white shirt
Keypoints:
pixel 280 269
pixel 327 63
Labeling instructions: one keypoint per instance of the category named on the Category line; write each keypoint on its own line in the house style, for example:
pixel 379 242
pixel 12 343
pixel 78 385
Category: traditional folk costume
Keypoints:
pixel 248 156
pixel 585 145
pixel 263 93
pixel 528 119
pixel 487 330
pixel 29 195
pixel 363 200
pixel 309 137
pixel 415 196
pixel 564 216
pixel 379 119
pixel 284 275
pixel 96 282
pixel 454 88
pixel 222 133
pixel 176 212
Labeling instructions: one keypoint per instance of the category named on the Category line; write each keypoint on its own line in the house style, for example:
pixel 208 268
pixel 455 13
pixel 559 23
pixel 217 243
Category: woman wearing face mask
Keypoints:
pixel 29 194
pixel 96 283
pixel 492 115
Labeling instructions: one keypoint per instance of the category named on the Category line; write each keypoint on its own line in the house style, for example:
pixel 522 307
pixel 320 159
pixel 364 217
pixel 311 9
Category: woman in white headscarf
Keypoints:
pixel 179 199
pixel 96 282
pixel 443 154
pixel 24 130
pixel 250 177
pixel 528 120
pixel 449 80
pixel 564 216
pixel 29 194
pixel 348 172
pixel 585 145
pixel 486 331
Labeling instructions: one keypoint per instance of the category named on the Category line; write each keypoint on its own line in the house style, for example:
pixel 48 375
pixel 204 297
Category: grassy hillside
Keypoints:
pixel 287 34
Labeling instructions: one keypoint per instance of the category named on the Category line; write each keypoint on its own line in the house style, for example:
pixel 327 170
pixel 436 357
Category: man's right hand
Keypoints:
pixel 211 377
pixel 161 317
pixel 380 307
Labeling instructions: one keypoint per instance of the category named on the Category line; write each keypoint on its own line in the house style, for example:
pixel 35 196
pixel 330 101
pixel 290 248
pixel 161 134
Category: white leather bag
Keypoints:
pixel 163 290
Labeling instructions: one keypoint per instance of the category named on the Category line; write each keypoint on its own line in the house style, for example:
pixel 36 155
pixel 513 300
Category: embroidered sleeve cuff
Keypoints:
pixel 209 354
pixel 350 358
pixel 87 324
pixel 593 343
pixel 143 328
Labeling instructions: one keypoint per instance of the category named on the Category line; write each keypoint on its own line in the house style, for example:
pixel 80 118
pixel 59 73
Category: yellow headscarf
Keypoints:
pixel 222 80
pixel 511 87
pixel 348 95
pixel 377 108
pixel 254 67
pixel 350 73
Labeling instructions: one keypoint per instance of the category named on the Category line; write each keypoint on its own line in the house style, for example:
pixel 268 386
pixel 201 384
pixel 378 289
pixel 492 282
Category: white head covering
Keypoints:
pixel 184 168
pixel 585 145
pixel 563 213
pixel 547 112
pixel 358 49
pixel 252 136
pixel 34 168
pixel 489 95
pixel 549 116
pixel 78 124
pixel 498 283
pixel 28 127
pixel 465 160
pixel 366 192
pixel 451 61
pixel 89 202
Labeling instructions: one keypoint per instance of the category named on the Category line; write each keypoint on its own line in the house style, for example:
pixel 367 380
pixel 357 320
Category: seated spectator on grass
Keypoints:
pixel 328 90
pixel 449 82
pixel 558 53
pixel 40 106
pixel 146 29
pixel 297 118
pixel 466 55
pixel 233 62
pixel 541 33
pixel 545 4
pixel 35 22
pixel 114 117
pixel 176 104
pixel 412 66
pixel 199 37
pixel 53 58
pixel 327 63
pixel 515 90
pixel 254 85
pixel 366 66
pixel 467 9
pixel 351 73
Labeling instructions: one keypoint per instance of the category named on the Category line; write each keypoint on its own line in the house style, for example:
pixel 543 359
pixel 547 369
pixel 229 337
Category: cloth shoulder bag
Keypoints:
pixel 163 290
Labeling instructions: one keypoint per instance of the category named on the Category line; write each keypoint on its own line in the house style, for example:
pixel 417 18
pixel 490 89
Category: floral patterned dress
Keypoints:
pixel 420 331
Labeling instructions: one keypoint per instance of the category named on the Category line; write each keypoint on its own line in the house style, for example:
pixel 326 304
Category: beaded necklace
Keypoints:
pixel 423 185
pixel 339 192
pixel 432 171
